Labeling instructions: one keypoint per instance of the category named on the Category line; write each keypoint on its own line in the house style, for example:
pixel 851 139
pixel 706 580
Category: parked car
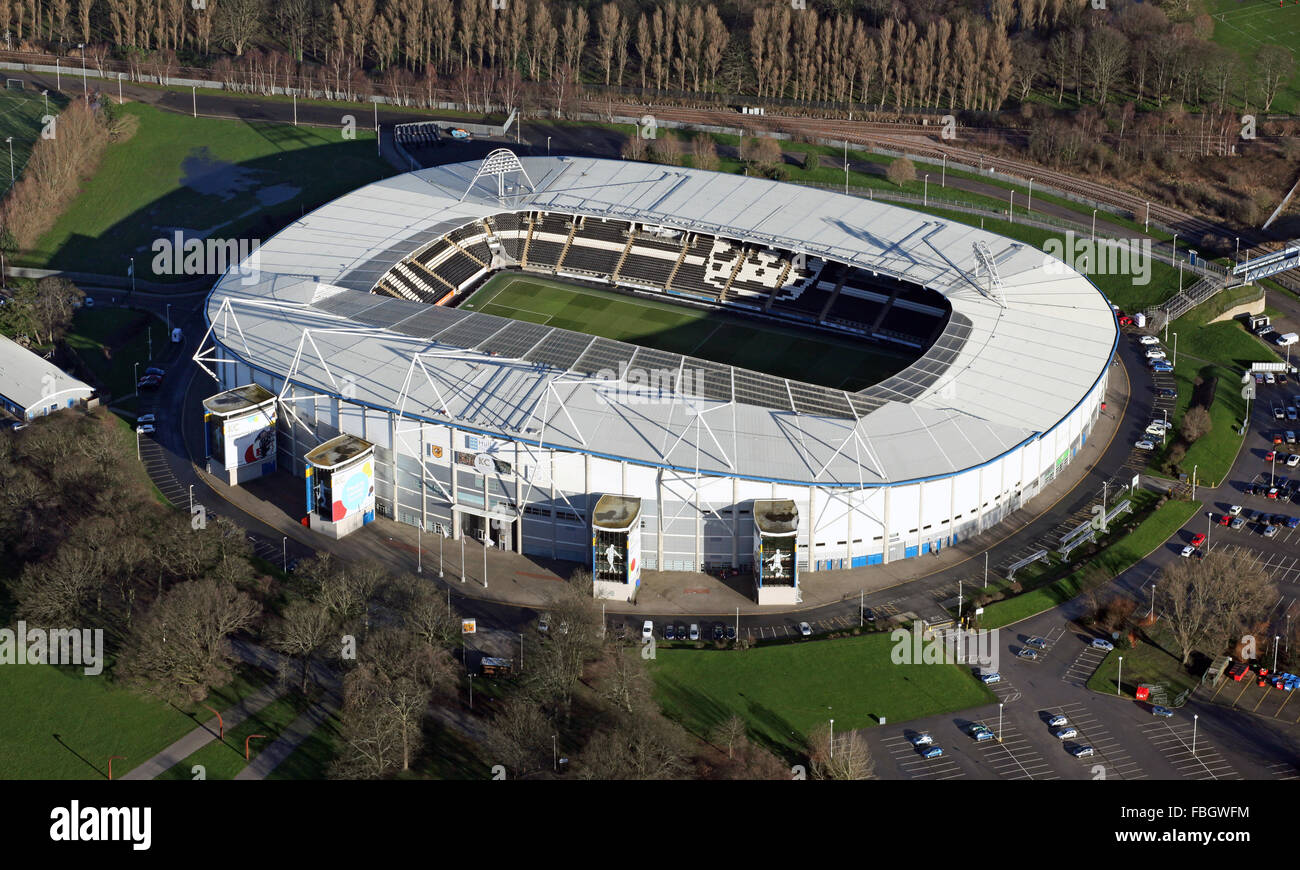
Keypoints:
pixel 1159 365
pixel 1293 460
pixel 669 633
pixel 1187 551
pixel 805 629
pixel 1278 413
pixel 1270 531
pixel 680 630
pixel 1148 339
pixel 1155 429
pixel 1145 444
pixel 1102 643
pixel 922 739
pixel 1290 436
pixel 1057 721
pixel 1037 643
pixel 1293 522
pixel 146 418
pixel 1272 492
pixel 148 382
pixel 932 752
pixel 1234 510
pixel 1081 751
pixel 695 631
pixel 731 632
pixel 1155 353
pixel 1281 377
pixel 1026 653
pixel 544 623
pixel 989 679
pixel 719 631
pixel 1270 456
pixel 144 429
pixel 868 614
pixel 647 631
pixel 982 734
pixel 154 370
pixel 1259 377
pixel 1269 378
pixel 1066 733
pixel 1167 393
pixel 1224 520
pixel 1163 712
pixel 1198 539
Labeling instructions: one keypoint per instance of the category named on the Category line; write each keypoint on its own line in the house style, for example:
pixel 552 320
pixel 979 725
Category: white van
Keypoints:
pixel 1286 338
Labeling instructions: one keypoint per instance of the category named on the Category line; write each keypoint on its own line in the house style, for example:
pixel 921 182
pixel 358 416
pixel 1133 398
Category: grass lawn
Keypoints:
pixel 1114 560
pixel 784 692
pixel 785 351
pixel 20 117
pixel 1246 26
pixel 1151 663
pixel 61 724
pixel 223 760
pixel 110 341
pixel 205 177
pixel 313 755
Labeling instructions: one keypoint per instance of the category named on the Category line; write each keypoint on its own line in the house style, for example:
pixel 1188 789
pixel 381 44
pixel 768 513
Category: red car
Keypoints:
pixel 1270 456
pixel 1225 520
pixel 1198 539
pixel 1272 492
pixel 1126 321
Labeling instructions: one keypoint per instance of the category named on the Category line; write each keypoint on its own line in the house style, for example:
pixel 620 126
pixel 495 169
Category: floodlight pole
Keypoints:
pixel 419 547
pixel 462 557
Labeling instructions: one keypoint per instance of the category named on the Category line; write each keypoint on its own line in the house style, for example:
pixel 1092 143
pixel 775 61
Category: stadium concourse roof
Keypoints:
pixel 1008 366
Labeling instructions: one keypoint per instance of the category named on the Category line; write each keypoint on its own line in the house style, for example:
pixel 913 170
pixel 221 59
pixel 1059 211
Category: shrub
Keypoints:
pixel 901 171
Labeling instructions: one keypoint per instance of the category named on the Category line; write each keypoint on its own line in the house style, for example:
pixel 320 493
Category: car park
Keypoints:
pixel 1187 551
pixel 1162 712
pixel 1057 721
pixel 1066 733
pixel 922 739
pixel 1026 653
pixel 1101 643
pixel 1145 444
pixel 1081 751
pixel 932 752
pixel 647 630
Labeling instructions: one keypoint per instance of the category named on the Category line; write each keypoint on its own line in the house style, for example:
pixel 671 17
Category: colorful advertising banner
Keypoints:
pixel 250 439
pixel 353 490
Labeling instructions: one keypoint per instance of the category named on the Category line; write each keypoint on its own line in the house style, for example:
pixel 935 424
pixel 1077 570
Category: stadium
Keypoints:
pixel 519 337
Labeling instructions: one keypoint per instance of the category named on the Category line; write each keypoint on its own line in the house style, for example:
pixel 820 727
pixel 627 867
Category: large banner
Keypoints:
pixel 353 490
pixel 250 439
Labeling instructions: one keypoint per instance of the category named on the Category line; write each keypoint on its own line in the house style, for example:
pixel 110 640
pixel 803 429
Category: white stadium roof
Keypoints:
pixel 1009 365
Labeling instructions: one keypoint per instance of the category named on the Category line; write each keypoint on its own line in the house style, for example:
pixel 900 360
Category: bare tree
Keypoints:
pixel 636 747
pixel 1273 67
pixel 305 628
pixel 1196 423
pixel 1206 603
pixel 520 738
pixel 667 148
pixel 849 758
pixel 901 171
pixel 730 732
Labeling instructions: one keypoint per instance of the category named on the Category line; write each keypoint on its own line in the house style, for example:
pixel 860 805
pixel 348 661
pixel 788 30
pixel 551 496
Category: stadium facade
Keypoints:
pixel 512 429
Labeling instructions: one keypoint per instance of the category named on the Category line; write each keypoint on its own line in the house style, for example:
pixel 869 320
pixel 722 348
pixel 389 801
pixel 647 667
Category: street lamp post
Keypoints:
pixel 1236 257
pixel 555 755
pixel 1119 679
pixel 10 140
pixel 832 738
pixel 548 146
pixel 943 171
pixel 1276 640
pixel 471 691
pixel 1029 206
pixel 284 554
pixel 191 492
pixel 119 88
pixel 1174 253
pixel 419 547
pixel 925 191
pixel 441 538
pixel 462 557
pixel 1195 717
pixel 84 87
pixel 169 318
pixel 1094 225
pixel 1180 271
pixel 999 721
pixel 1152 614
pixel 485 549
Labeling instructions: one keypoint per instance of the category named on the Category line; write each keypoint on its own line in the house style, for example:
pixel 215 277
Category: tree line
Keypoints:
pixel 881 54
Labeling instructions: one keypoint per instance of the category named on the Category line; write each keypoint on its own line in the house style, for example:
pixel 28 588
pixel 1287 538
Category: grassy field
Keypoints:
pixel 1156 662
pixel 1246 25
pixel 785 351
pixel 20 117
pixel 205 177
pixel 783 692
pixel 61 724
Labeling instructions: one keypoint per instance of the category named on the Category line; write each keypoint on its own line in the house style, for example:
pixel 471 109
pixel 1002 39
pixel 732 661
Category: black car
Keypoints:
pixel 669 633
pixel 718 631
pixel 1166 393
pixel 731 632
pixel 681 631
pixel 868 614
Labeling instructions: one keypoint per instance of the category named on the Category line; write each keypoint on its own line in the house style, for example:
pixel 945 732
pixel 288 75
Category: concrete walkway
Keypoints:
pixel 290 738
pixel 204 734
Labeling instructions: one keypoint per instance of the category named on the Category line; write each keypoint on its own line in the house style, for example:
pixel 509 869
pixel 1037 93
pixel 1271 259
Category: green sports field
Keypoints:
pixel 790 352
pixel 1246 25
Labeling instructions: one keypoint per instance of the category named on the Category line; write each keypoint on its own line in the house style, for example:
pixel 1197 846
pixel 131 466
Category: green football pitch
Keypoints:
pixel 790 352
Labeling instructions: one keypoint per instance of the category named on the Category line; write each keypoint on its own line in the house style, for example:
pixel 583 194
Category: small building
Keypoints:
pixel 341 485
pixel 31 386
pixel 616 547
pixel 776 568
pixel 239 433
